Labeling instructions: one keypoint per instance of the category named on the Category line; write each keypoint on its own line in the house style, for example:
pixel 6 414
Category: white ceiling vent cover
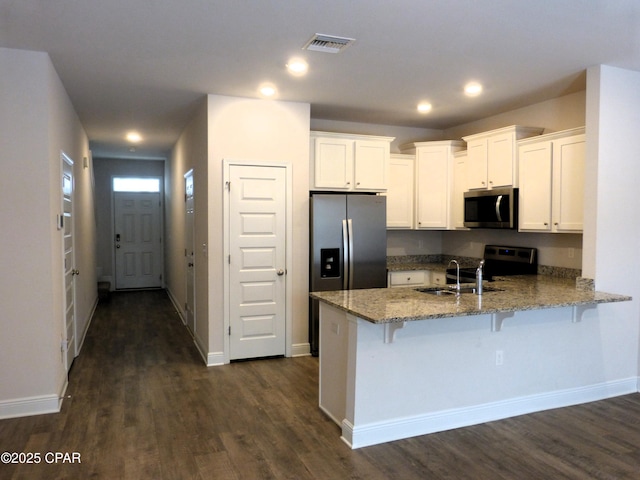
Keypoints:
pixel 327 43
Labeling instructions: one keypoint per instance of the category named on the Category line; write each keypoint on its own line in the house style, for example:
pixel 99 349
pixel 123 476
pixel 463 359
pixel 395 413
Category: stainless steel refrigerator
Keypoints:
pixel 348 249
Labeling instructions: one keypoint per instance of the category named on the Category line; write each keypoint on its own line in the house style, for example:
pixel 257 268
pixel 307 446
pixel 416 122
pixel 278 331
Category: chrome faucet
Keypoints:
pixel 457 274
pixel 479 278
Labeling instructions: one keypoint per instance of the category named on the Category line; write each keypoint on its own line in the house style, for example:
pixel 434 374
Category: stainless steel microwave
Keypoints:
pixel 495 208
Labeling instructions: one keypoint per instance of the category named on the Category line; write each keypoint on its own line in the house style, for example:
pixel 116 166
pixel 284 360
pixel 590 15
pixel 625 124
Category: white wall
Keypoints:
pixel 553 115
pixel 37 122
pixel 611 255
pixel 190 152
pixel 247 129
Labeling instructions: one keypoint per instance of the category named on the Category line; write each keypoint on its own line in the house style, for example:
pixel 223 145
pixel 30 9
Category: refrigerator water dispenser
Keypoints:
pixel 329 262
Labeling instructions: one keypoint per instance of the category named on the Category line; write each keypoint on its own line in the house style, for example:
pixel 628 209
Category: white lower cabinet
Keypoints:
pixel 407 278
pixel 416 278
pixel 552 182
pixel 438 278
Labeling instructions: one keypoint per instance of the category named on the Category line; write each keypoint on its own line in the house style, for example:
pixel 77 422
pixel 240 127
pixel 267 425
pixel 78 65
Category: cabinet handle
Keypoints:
pixel 358 183
pixel 546 224
pixel 348 183
pixel 556 224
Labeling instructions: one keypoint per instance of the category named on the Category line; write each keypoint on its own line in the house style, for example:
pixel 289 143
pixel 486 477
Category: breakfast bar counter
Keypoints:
pixel 505 294
pixel 397 362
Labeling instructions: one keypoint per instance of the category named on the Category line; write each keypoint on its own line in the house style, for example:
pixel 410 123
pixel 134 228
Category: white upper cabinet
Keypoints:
pixel 400 192
pixel 434 182
pixel 459 187
pixel 344 162
pixel 492 157
pixel 551 194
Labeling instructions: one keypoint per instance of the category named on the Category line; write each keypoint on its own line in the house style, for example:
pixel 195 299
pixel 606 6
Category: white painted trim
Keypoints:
pixel 177 306
pixel 80 341
pixel 396 429
pixel 24 407
pixel 215 359
pixel 301 349
pixel 226 165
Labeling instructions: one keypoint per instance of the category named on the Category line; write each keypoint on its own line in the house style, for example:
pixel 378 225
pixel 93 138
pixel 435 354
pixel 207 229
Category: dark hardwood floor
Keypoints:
pixel 142 405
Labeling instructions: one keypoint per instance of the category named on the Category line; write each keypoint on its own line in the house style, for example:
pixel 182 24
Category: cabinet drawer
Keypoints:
pixel 414 277
pixel 438 278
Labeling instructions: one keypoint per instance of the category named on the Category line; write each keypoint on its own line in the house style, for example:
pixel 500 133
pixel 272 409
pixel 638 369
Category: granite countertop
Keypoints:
pixel 520 292
pixel 400 267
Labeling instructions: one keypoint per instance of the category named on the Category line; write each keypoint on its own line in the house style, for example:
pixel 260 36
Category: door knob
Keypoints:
pixel 75 272
pixel 118 246
pixel 280 272
pixel 190 265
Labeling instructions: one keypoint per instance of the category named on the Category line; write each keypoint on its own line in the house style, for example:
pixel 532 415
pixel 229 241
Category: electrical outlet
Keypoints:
pixel 499 357
pixel 335 328
pixel 571 252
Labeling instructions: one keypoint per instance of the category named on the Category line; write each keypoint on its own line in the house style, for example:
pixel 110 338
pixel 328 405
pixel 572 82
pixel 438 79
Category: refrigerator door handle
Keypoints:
pixel 350 227
pixel 345 255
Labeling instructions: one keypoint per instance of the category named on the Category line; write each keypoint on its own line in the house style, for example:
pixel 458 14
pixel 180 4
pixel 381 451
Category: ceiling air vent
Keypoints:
pixel 327 43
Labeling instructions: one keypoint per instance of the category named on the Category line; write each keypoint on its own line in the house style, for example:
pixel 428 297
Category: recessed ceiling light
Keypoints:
pixel 267 90
pixel 424 107
pixel 297 67
pixel 473 89
pixel 133 137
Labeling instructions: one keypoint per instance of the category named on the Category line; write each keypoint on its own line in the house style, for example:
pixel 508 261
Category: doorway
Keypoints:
pixel 189 250
pixel 257 221
pixel 70 272
pixel 137 240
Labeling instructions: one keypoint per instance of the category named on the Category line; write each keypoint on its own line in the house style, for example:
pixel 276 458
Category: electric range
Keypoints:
pixel 500 260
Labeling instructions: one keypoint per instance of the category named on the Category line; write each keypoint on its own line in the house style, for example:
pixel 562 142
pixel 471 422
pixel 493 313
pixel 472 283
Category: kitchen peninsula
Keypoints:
pixel 397 362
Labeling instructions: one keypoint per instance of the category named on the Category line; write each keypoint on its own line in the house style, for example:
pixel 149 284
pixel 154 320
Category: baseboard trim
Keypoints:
pixel 86 328
pixel 177 306
pixel 26 407
pixel 388 431
pixel 301 349
pixel 215 359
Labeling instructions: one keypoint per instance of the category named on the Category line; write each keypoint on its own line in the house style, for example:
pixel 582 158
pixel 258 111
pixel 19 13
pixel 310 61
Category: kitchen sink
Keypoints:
pixel 451 290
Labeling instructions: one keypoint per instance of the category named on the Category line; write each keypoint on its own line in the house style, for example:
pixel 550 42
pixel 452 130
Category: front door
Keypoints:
pixel 138 241
pixel 190 297
pixel 70 271
pixel 257 261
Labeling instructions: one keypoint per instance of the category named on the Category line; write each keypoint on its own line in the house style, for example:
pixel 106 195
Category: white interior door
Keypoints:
pixel 190 296
pixel 138 240
pixel 70 271
pixel 257 261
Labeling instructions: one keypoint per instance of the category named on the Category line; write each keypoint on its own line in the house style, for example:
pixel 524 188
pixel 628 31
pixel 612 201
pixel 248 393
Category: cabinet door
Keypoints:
pixel 371 165
pixel 432 205
pixel 535 187
pixel 333 163
pixel 400 193
pixel 412 277
pixel 459 187
pixel 568 183
pixel 477 164
pixel 500 160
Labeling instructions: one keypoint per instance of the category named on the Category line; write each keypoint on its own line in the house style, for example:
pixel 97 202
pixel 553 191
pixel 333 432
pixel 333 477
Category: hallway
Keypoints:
pixel 142 405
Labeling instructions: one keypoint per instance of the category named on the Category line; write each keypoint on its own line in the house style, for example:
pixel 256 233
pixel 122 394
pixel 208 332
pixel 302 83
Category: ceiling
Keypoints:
pixel 144 64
